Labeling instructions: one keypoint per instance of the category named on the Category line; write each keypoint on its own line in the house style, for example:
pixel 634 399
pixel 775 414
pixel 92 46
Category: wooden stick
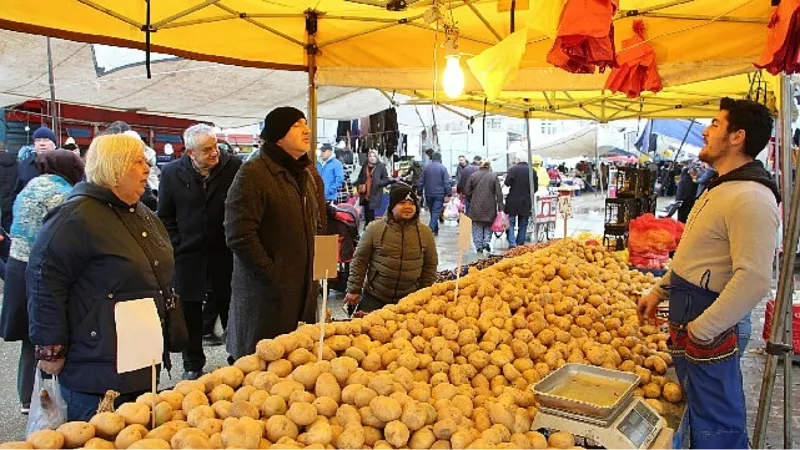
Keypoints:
pixel 458 271
pixel 324 315
pixel 153 412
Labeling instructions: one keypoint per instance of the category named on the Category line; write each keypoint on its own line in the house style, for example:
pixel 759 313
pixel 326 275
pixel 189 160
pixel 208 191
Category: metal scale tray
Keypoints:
pixel 585 410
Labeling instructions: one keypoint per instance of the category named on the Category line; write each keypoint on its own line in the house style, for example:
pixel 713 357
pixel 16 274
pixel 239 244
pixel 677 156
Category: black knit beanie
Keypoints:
pixel 400 192
pixel 278 122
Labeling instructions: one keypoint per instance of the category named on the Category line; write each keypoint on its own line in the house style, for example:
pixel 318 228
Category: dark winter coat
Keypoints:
pixel 26 171
pixel 193 211
pixel 465 174
pixel 518 200
pixel 485 196
pixel 93 252
pixel 270 222
pixel 8 181
pixel 435 181
pixel 380 179
pixel 393 259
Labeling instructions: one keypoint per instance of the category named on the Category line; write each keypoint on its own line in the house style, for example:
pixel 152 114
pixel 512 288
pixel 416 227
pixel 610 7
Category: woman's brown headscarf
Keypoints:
pixel 61 162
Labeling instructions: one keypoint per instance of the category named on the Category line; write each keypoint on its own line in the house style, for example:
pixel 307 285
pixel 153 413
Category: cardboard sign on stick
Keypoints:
pixel 140 342
pixel 326 250
pixel 464 233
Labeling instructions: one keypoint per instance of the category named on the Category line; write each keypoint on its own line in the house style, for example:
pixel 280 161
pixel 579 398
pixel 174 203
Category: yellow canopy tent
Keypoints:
pixel 698 99
pixel 360 43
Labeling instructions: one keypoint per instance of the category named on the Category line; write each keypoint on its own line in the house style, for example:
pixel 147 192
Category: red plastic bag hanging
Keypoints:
pixel 782 52
pixel 637 69
pixel 585 38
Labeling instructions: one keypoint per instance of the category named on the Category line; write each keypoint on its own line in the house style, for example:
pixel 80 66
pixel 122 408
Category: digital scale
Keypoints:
pixel 629 423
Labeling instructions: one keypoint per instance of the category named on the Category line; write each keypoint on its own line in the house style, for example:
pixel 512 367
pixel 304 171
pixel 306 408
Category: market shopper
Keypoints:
pixel 721 270
pixel 271 216
pixel 8 180
pixel 149 199
pixel 60 171
pixel 519 202
pixel 191 204
pixel 461 185
pixel 346 189
pixel 462 164
pixel 395 257
pixel 435 184
pixel 370 183
pixel 485 198
pixel 44 140
pixel 332 172
pixel 99 249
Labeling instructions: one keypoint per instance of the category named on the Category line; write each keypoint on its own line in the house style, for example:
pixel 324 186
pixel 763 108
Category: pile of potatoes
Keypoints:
pixel 438 370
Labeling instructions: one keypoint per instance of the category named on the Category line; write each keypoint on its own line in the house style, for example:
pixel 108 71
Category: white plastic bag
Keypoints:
pixel 499 242
pixel 48 408
pixel 452 210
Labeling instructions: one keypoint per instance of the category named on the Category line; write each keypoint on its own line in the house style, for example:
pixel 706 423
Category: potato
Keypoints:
pixel 222 409
pixel 386 409
pixel 244 409
pixel 302 413
pixel 326 406
pixel 250 363
pixel 351 437
pixel 199 414
pixel 150 444
pixel 441 444
pixel 320 432
pixel 363 396
pixel 98 443
pixel 180 439
pixel 16 444
pixel 561 439
pixel 210 426
pixel 174 398
pixel 422 438
pixel 444 429
pixel 164 432
pixel 274 405
pixel 397 433
pixel 192 400
pixel 221 392
pixel 210 380
pixel 107 425
pixel 240 435
pixel 215 441
pixel 47 439
pixel 186 386
pixel 306 375
pixel 280 426
pixel 285 388
pixel 136 413
pixel 270 350
pixel 163 413
pixel 652 390
pixel 673 392
pixel 129 435
pixel 415 416
pixel 537 440
pixel 76 433
pixel 655 404
pixel 232 376
pixel 328 386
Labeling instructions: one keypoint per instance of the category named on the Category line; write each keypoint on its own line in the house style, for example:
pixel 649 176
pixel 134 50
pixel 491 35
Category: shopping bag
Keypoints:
pixel 500 223
pixel 452 210
pixel 499 242
pixel 48 408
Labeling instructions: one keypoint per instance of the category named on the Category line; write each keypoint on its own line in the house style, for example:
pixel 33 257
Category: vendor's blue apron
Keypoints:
pixel 708 372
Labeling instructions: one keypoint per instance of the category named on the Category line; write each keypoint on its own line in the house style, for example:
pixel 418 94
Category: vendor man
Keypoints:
pixel 721 270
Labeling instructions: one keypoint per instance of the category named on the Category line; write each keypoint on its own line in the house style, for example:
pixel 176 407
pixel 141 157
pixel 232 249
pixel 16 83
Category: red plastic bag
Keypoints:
pixel 651 239
pixel 501 223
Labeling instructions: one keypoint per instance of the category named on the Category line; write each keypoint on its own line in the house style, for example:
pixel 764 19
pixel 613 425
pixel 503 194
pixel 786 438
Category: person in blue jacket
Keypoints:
pixel 332 173
pixel 435 184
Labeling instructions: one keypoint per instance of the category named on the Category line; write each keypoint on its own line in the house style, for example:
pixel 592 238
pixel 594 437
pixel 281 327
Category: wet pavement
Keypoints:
pixel 588 217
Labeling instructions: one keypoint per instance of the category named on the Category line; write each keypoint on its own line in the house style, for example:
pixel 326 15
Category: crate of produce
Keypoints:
pixel 770 312
pixel 631 182
pixel 620 211
pixel 615 239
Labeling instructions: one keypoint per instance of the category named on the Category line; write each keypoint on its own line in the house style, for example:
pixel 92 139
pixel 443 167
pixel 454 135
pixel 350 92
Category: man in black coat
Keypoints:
pixel 191 203
pixel 44 140
pixel 519 202
pixel 8 179
pixel 461 185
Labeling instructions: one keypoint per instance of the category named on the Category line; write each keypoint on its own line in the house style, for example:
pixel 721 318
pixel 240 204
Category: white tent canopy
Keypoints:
pixel 576 144
pixel 226 95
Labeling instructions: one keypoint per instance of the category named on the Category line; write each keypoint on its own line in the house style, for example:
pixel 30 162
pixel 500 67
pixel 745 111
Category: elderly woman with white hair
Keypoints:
pixel 98 250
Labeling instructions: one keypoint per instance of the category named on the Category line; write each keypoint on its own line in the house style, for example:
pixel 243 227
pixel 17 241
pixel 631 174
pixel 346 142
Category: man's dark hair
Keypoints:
pixel 429 152
pixel 462 156
pixel 477 159
pixel 117 127
pixel 752 117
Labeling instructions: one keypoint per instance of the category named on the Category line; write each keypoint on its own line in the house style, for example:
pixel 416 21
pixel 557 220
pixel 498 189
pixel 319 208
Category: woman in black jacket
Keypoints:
pixel 371 181
pixel 99 249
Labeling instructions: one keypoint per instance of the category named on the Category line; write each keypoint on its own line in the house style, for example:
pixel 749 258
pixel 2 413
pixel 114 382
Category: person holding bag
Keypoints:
pixel 485 197
pixel 371 181
pixel 99 248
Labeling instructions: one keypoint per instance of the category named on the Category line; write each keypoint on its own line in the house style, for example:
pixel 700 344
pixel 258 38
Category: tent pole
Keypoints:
pixel 783 302
pixel 530 177
pixel 311 50
pixel 52 82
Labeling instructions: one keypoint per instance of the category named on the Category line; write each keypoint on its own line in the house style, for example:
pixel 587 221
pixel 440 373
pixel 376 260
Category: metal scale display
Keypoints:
pixel 597 404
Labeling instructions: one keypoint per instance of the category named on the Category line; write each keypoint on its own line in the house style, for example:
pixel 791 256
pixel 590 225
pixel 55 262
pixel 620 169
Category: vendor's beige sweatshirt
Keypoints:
pixel 731 232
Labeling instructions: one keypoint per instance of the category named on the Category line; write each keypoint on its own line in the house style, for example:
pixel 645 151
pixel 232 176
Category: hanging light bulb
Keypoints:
pixel 168 150
pixel 453 81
